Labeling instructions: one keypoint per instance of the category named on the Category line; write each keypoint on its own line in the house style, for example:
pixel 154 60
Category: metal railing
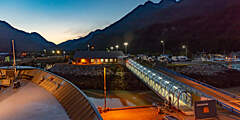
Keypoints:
pixel 224 105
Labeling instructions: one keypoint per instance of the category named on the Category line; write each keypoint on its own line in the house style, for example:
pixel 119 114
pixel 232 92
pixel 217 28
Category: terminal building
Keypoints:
pixel 97 57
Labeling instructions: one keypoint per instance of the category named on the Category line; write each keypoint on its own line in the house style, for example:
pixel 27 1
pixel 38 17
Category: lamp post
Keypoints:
pixel 186 50
pixel 163 47
pixel 45 51
pixel 126 45
pixel 88 47
pixel 105 89
pixel 117 46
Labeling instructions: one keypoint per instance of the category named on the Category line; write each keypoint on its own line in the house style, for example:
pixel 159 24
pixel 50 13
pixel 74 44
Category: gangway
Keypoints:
pixel 181 90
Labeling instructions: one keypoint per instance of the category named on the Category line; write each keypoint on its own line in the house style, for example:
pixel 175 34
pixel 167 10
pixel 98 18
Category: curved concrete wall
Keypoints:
pixel 74 101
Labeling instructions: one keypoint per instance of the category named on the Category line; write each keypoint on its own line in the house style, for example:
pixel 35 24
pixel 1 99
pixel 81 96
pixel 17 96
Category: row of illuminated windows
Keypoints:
pixel 103 60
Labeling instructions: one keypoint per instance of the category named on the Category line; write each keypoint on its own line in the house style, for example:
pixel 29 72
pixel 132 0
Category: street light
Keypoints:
pixel 163 46
pixel 126 45
pixel 58 51
pixel 44 50
pixel 53 51
pixel 88 47
pixel 111 47
pixel 117 46
pixel 186 50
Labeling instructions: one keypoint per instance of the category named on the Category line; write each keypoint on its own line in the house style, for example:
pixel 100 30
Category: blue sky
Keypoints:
pixel 61 20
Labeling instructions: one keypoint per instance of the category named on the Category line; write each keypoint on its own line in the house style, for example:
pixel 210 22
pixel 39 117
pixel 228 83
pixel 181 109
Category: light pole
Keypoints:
pixel 117 46
pixel 45 51
pixel 88 47
pixel 105 89
pixel 126 45
pixel 163 47
pixel 186 50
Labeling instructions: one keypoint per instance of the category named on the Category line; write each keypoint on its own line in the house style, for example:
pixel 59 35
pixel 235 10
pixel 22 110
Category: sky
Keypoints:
pixel 61 20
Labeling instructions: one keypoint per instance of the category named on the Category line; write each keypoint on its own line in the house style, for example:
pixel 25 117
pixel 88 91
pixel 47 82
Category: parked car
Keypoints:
pixel 174 58
pixel 150 59
pixel 183 58
pixel 164 59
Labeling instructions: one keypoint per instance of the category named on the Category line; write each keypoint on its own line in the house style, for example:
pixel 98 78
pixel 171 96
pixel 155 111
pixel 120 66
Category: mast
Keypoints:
pixel 14 59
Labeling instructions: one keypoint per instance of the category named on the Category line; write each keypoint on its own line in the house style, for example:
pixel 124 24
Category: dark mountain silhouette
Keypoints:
pixel 209 25
pixel 23 41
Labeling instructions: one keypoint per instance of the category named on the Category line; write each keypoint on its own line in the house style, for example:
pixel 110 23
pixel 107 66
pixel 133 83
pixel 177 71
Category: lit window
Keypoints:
pixel 111 60
pixel 92 60
pixel 102 60
pixel 205 109
pixel 106 60
pixel 83 61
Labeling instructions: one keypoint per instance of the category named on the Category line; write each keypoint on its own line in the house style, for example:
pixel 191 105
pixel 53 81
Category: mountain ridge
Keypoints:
pixel 24 41
pixel 150 14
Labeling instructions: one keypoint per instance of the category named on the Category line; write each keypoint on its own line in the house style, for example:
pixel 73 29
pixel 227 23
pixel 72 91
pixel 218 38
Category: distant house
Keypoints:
pixel 97 57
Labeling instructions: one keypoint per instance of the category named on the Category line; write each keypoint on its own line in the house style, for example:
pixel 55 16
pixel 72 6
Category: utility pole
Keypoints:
pixel 163 47
pixel 88 46
pixel 105 90
pixel 126 45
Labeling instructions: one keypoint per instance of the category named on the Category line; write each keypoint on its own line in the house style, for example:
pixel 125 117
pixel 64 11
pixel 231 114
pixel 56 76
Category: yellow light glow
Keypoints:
pixel 58 52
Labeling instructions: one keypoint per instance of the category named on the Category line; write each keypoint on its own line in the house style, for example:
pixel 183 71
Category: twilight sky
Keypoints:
pixel 61 20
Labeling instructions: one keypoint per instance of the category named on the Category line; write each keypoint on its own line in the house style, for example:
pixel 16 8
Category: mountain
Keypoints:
pixel 209 25
pixel 23 41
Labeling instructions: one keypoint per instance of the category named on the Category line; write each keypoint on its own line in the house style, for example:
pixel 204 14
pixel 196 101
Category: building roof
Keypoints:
pixel 98 54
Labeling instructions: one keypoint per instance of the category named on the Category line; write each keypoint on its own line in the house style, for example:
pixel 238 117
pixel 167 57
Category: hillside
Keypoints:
pixel 23 41
pixel 201 25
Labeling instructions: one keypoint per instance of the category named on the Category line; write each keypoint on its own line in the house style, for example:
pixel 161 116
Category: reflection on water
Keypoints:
pixel 117 99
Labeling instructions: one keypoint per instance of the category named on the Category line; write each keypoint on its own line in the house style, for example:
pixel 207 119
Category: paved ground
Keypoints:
pixel 132 114
pixel 146 113
pixel 30 102
pixel 151 114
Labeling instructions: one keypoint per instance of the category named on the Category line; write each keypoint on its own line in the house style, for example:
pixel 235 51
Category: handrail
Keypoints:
pixel 89 101
pixel 199 82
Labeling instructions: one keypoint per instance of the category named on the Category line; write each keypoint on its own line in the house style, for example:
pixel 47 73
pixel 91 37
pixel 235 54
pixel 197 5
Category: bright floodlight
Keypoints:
pixel 58 52
pixel 162 41
pixel 53 52
pixel 111 47
pixel 117 46
pixel 125 44
pixel 184 46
